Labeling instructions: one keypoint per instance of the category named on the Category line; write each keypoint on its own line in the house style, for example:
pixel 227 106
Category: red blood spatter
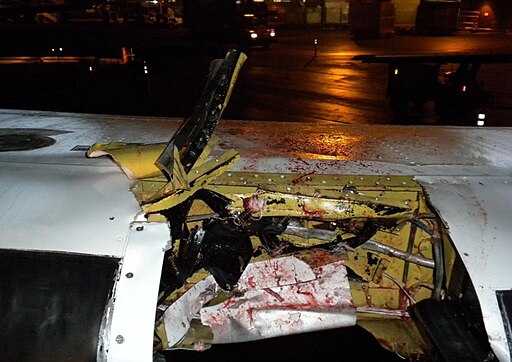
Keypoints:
pixel 312 213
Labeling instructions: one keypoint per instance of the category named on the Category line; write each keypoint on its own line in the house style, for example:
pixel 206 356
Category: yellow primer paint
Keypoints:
pixel 382 285
pixel 174 193
pixel 135 159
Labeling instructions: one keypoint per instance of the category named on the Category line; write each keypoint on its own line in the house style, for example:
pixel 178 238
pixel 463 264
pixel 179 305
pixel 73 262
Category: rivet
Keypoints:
pixel 139 228
pixel 129 275
pixel 119 339
pixel 111 218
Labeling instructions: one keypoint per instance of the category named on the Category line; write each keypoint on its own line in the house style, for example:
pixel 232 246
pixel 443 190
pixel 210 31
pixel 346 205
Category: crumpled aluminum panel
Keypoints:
pixel 277 297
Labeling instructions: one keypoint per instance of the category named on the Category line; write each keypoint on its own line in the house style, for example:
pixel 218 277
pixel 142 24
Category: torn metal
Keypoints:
pixel 257 255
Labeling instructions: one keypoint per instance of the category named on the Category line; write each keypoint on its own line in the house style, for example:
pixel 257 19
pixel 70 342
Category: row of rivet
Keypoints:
pixel 308 178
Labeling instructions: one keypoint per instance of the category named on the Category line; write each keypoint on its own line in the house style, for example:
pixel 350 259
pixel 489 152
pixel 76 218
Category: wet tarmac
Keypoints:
pixel 295 80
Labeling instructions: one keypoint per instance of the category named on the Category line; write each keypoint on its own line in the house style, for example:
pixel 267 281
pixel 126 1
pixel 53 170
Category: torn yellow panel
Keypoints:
pixel 204 177
pixel 136 160
pixel 208 148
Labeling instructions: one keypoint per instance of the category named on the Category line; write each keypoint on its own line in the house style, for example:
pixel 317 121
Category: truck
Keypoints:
pixel 245 23
pixel 459 96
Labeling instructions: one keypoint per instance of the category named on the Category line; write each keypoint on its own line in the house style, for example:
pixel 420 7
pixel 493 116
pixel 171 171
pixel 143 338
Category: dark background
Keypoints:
pixel 351 344
pixel 293 80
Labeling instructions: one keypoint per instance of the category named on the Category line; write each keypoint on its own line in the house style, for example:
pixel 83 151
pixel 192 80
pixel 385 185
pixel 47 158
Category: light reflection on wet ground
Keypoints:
pixel 288 82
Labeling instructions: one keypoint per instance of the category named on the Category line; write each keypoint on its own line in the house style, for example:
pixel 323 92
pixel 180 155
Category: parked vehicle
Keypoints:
pixel 242 22
pixel 459 97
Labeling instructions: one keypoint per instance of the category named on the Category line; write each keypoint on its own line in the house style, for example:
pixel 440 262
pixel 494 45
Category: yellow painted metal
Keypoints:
pixel 319 198
pixel 147 188
pixel 135 159
pixel 396 335
pixel 179 180
pixel 153 190
pixel 381 274
pixel 198 338
pixel 337 203
pixel 240 62
pixel 165 157
pixel 179 192
pixel 160 340
pixel 449 254
pixel 318 206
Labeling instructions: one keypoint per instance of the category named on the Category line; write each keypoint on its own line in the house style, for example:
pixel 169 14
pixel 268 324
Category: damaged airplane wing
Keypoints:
pixel 236 231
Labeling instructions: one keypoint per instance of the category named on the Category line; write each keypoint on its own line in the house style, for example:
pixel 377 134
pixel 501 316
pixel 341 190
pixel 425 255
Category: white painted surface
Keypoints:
pixel 133 318
pixel 179 314
pixel 76 209
pixel 476 211
pixel 56 199
pixel 286 146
